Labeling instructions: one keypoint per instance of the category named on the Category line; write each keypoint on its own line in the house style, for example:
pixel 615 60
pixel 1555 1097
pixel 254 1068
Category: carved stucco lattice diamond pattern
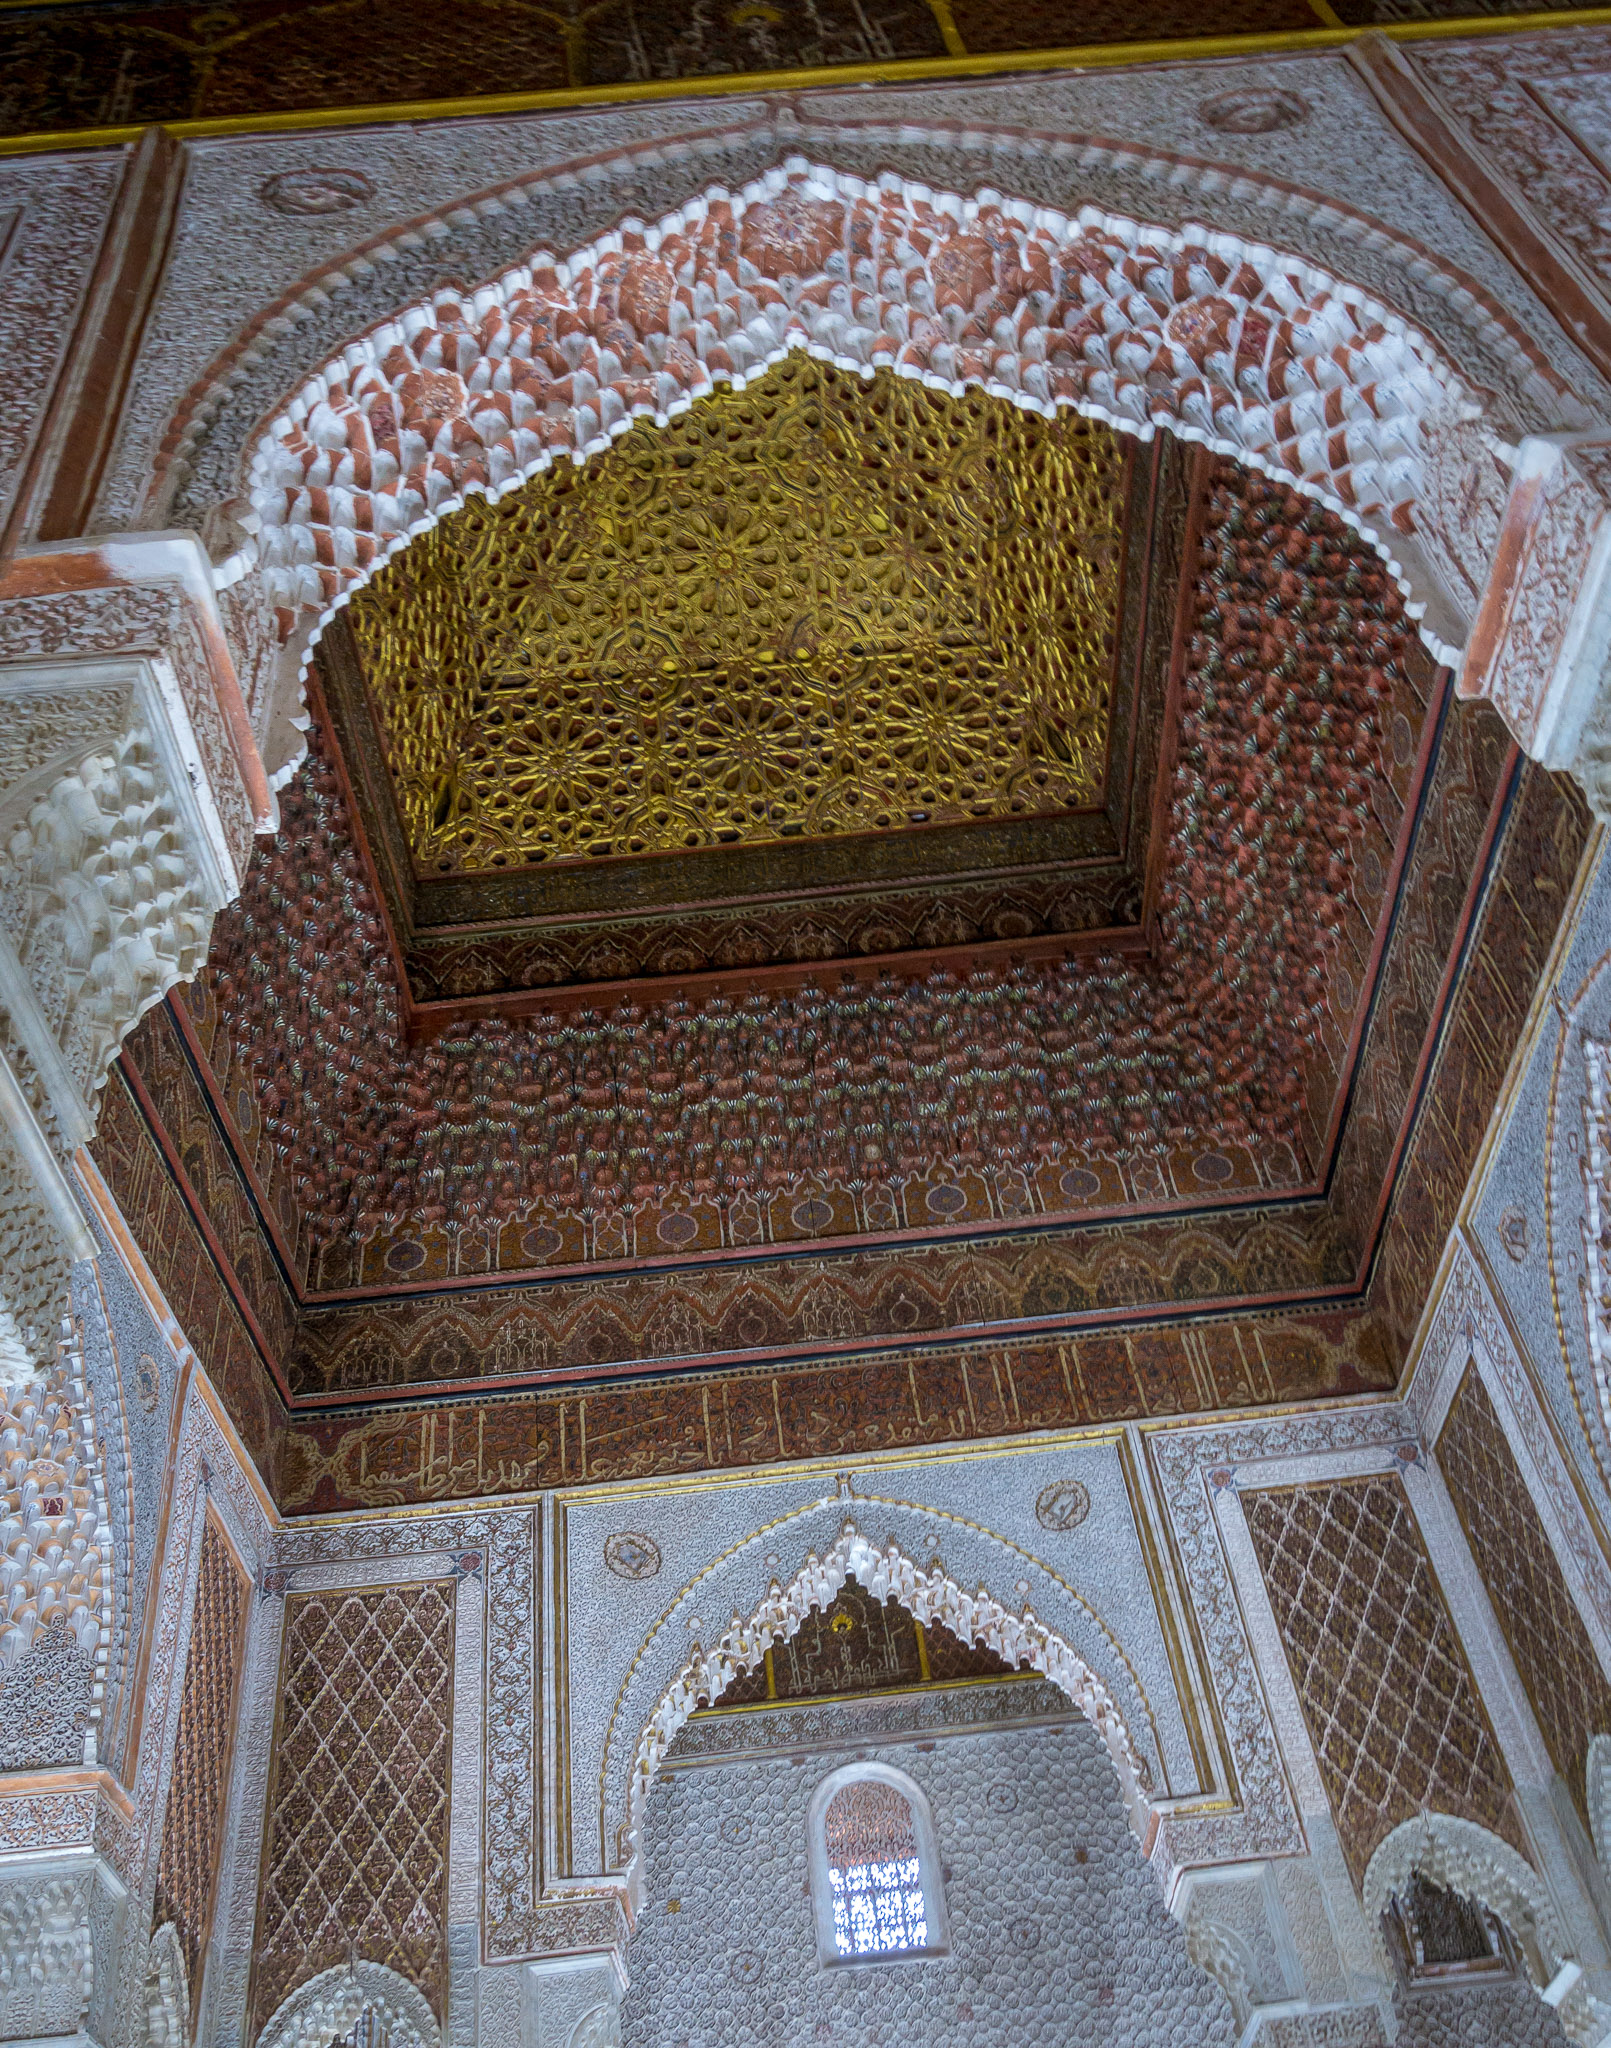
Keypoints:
pixel 1554 1657
pixel 1389 1699
pixel 356 1855
pixel 193 1822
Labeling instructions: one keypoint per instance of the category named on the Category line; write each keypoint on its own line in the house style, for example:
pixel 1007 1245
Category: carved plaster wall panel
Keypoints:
pixel 53 211
pixel 1053 1916
pixel 59 1928
pixel 1537 1222
pixel 1392 1709
pixel 1540 107
pixel 1467 1326
pixel 208 1484
pixel 133 1371
pixel 1198 1472
pixel 192 1827
pixel 355 1857
pixel 57 1568
pixel 1554 1658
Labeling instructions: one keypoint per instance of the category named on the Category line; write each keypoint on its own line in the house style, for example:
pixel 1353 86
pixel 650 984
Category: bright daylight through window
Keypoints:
pixel 877 1889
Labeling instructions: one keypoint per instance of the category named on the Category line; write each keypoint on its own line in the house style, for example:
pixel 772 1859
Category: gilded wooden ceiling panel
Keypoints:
pixel 812 607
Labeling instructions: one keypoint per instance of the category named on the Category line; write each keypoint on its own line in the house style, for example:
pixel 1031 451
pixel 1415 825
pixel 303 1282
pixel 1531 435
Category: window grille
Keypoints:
pixel 873 1871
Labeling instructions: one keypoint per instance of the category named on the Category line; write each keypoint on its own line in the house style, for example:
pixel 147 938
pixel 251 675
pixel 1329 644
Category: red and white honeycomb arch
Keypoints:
pixel 1257 354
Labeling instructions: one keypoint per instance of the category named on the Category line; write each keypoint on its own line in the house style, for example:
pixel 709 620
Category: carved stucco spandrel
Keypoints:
pixel 1540 648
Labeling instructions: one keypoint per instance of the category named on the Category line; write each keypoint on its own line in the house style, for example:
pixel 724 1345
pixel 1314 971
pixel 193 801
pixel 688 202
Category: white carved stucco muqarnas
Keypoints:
pixel 1251 351
pixel 129 795
pixel 1462 1857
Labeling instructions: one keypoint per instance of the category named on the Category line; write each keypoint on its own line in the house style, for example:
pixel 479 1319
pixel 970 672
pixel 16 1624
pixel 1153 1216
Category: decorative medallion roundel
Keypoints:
pixel 1002 1798
pixel 315 191
pixel 737 1828
pixel 1253 110
pixel 746 1967
pixel 147 1381
pixel 1062 1505
pixel 1513 1233
pixel 632 1555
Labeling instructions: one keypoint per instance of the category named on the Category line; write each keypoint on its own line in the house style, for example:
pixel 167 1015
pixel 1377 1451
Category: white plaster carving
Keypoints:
pixel 331 2005
pixel 41 1234
pixel 1597 1776
pixel 1538 647
pixel 47 1954
pixel 1236 1930
pixel 1226 1957
pixel 573 2001
pixel 932 1597
pixel 55 1565
pixel 55 211
pixel 1259 355
pixel 1594 1287
pixel 167 1991
pixel 1463 1857
pixel 600 2028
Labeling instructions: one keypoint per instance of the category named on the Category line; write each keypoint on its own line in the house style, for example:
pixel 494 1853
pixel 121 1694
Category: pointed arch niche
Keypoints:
pixel 328 2007
pixel 1020 1639
pixel 1459 1856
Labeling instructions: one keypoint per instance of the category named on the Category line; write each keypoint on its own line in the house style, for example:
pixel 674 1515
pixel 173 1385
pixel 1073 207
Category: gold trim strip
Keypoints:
pixel 907 70
pixel 1190 1687
pixel 919 1690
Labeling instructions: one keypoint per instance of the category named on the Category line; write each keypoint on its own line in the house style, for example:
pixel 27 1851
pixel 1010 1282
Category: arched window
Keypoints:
pixel 874 1873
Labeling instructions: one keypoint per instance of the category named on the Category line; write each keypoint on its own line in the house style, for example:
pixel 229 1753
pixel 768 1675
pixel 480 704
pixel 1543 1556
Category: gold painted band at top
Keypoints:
pixel 906 70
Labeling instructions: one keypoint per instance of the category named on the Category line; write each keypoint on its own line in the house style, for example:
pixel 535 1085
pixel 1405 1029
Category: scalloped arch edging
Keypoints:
pixel 1255 354
pixel 331 2004
pixel 976 1617
pixel 1463 1857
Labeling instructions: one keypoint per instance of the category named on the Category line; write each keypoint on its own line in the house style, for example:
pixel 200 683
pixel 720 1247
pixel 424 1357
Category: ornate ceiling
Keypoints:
pixel 812 607
pixel 1118 1118
pixel 823 670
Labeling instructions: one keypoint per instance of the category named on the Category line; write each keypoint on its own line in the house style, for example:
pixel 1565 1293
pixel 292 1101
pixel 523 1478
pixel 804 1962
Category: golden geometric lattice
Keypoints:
pixel 192 1826
pixel 1391 1705
pixel 812 606
pixel 1549 1645
pixel 356 1856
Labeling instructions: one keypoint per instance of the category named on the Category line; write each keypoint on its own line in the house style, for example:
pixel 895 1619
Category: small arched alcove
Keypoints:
pixel 876 1881
pixel 1470 1941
